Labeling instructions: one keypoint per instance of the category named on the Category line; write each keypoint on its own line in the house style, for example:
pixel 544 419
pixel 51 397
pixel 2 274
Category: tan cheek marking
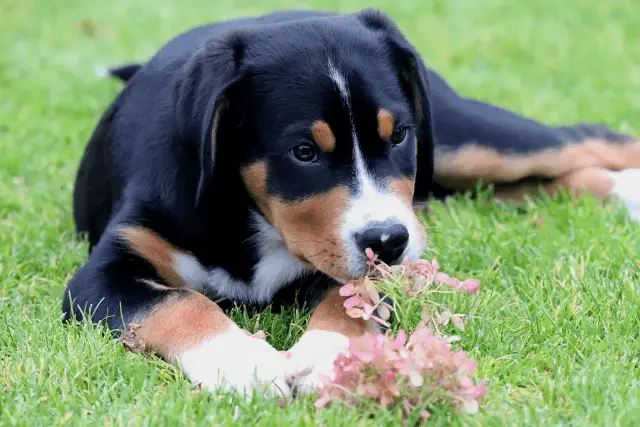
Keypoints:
pixel 594 181
pixel 403 188
pixel 459 170
pixel 255 180
pixel 386 122
pixel 330 315
pixel 157 251
pixel 180 323
pixel 311 228
pixel 323 135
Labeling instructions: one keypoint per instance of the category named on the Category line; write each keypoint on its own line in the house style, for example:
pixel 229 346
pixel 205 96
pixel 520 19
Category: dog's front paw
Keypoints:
pixel 236 361
pixel 311 359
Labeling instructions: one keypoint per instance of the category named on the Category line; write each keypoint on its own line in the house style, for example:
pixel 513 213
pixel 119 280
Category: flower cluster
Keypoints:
pixel 416 373
pixel 364 299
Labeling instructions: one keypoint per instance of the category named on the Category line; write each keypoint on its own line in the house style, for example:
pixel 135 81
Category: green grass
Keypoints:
pixel 555 328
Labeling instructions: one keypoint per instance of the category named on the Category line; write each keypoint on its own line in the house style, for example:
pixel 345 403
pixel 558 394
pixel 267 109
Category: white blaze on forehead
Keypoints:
pixel 372 202
pixel 365 181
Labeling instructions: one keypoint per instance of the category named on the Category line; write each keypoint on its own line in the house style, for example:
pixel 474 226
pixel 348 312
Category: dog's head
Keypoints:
pixel 328 122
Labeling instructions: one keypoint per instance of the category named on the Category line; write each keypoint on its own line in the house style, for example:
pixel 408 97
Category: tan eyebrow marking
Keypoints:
pixel 323 135
pixel 386 122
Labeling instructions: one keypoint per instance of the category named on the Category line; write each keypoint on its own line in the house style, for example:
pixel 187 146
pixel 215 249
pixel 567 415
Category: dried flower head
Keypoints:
pixel 364 298
pixel 414 372
pixel 417 372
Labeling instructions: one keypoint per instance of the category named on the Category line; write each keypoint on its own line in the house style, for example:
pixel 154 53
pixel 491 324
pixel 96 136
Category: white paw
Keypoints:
pixel 236 361
pixel 312 358
pixel 627 188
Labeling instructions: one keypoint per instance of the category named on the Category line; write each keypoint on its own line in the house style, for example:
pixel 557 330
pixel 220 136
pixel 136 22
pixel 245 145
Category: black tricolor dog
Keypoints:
pixel 255 159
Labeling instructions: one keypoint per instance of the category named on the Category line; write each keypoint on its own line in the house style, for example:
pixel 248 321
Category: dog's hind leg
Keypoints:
pixel 476 141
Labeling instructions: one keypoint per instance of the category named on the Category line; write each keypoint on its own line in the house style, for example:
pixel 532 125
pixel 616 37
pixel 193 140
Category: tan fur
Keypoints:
pixel 592 181
pixel 311 230
pixel 157 251
pixel 404 188
pixel 330 315
pixel 254 177
pixel 180 323
pixel 309 227
pixel 386 123
pixel 460 169
pixel 323 135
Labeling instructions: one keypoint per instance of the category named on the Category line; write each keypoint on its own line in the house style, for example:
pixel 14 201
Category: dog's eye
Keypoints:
pixel 304 152
pixel 399 135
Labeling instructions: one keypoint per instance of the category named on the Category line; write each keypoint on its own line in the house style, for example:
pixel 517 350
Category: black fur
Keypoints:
pixel 124 72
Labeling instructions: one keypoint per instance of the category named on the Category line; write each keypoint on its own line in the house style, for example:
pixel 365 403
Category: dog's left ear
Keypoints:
pixel 414 78
pixel 203 100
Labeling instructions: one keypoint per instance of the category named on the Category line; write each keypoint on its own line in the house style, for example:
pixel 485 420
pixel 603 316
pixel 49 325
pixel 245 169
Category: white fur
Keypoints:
pixel 101 71
pixel 236 361
pixel 372 203
pixel 626 187
pixel 314 355
pixel 190 270
pixel 275 269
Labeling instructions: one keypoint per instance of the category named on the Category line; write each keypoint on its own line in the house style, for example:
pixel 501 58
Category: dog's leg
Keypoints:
pixel 327 335
pixel 476 141
pixel 132 277
pixel 597 182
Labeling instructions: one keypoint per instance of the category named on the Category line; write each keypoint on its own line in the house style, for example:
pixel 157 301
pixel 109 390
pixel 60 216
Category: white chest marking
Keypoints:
pixel 275 269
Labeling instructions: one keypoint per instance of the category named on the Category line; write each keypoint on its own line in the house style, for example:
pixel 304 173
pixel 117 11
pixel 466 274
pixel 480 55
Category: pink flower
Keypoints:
pixel 354 301
pixel 408 371
pixel 446 280
pixel 371 257
pixel 405 372
pixel 471 285
pixel 348 290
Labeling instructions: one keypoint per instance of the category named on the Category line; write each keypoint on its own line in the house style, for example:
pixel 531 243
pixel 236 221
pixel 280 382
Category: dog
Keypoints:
pixel 255 159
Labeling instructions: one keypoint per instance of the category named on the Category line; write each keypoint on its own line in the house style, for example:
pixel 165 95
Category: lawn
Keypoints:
pixel 555 326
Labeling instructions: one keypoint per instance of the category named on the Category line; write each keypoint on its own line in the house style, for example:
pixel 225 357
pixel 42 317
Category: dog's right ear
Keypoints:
pixel 202 99
pixel 414 78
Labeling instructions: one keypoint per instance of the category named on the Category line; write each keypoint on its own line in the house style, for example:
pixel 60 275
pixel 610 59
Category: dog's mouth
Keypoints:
pixel 332 264
pixel 343 256
pixel 342 268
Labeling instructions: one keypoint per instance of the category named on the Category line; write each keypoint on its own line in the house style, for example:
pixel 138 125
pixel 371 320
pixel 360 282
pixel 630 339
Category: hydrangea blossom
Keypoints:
pixel 415 372
pixel 364 299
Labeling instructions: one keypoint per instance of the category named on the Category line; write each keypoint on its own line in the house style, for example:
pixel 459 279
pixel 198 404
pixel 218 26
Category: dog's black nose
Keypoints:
pixel 386 241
